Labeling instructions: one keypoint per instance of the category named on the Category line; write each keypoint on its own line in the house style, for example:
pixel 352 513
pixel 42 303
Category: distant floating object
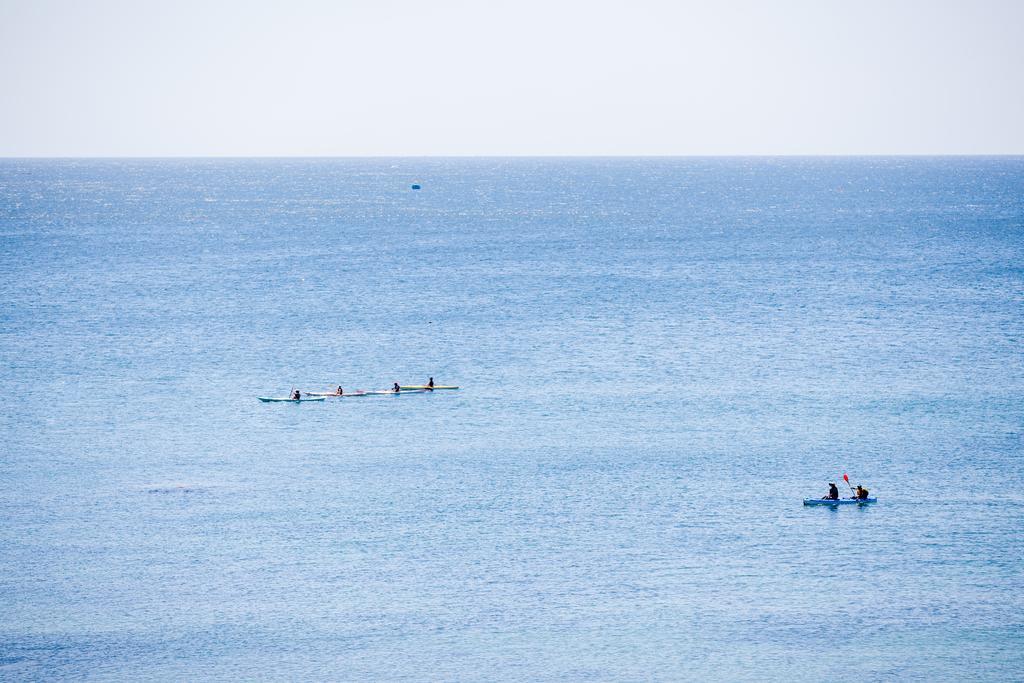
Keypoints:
pixel 416 186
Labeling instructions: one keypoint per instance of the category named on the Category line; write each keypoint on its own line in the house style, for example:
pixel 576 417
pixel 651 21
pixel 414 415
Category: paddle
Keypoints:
pixel 847 480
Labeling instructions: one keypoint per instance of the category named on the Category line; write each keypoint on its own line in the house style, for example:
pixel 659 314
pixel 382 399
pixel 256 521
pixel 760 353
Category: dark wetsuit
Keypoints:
pixel 833 492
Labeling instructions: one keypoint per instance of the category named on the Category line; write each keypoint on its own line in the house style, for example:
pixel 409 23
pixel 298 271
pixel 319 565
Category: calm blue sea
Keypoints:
pixel 659 359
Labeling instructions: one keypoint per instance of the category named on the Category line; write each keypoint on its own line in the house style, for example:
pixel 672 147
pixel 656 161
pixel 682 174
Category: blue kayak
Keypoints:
pixel 288 400
pixel 840 501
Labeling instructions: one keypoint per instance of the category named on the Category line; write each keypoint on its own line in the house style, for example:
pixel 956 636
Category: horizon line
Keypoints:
pixel 513 156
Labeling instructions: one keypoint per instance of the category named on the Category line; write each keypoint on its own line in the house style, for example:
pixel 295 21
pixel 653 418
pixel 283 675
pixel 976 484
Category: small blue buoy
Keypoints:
pixel 415 187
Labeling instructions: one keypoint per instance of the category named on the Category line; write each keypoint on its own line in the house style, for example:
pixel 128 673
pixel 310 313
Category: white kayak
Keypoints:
pixel 328 394
pixel 839 501
pixel 392 392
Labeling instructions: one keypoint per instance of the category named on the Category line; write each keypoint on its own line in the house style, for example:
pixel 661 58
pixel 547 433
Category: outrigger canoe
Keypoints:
pixel 840 501
pixel 414 387
pixel 288 400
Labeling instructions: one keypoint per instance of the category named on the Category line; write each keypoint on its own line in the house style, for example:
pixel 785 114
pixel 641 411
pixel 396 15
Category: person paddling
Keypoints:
pixel 340 392
pixel 861 493
pixel 396 388
pixel 833 492
pixel 430 384
pixel 296 395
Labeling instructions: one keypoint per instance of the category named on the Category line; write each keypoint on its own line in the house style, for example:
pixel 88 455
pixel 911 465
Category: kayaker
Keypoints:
pixel 861 493
pixel 296 395
pixel 833 492
pixel 396 388
pixel 340 392
pixel 430 384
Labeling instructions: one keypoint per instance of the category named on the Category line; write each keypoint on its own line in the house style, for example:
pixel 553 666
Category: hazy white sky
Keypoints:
pixel 524 77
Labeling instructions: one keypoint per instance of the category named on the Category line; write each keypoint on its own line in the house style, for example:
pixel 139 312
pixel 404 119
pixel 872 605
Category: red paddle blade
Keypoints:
pixel 846 479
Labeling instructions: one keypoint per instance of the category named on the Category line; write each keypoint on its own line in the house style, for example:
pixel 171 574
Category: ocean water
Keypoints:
pixel 658 360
